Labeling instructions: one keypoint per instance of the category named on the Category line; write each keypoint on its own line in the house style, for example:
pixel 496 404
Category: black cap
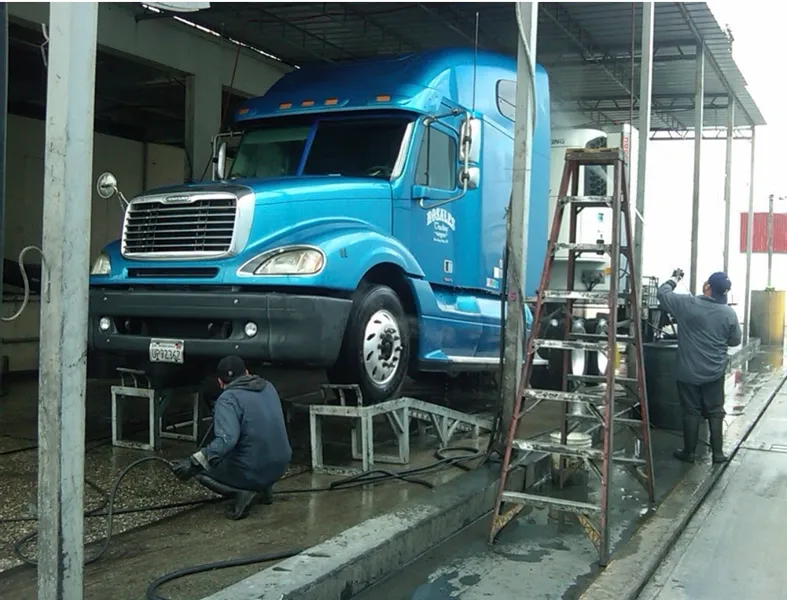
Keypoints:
pixel 230 368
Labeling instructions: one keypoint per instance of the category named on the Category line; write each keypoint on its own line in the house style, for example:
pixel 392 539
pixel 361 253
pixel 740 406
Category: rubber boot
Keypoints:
pixel 691 431
pixel 716 427
pixel 266 495
pixel 240 506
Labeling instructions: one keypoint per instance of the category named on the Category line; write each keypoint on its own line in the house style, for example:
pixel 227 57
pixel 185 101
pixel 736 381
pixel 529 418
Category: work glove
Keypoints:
pixel 677 275
pixel 186 468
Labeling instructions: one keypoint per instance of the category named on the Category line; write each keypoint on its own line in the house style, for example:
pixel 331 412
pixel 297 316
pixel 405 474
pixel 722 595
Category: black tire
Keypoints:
pixel 357 365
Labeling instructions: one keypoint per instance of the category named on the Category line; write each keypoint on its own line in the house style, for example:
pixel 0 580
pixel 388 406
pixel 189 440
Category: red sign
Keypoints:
pixel 760 233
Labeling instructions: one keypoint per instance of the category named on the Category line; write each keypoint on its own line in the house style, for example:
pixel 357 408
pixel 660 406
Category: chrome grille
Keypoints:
pixel 199 227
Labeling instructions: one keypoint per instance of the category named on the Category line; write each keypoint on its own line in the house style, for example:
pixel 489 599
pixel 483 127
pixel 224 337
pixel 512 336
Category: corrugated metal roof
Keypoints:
pixel 585 46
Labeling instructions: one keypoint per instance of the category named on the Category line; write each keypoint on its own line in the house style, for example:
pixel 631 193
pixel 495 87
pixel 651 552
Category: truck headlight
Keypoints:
pixel 286 261
pixel 102 265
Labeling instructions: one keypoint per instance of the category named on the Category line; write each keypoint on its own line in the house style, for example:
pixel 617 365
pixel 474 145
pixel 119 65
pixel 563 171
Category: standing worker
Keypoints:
pixel 707 326
pixel 250 450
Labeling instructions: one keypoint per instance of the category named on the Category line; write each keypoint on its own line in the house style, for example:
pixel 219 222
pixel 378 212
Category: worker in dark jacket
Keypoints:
pixel 707 326
pixel 250 450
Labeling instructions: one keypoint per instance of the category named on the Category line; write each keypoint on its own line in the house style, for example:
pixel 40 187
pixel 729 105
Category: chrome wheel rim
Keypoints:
pixel 382 348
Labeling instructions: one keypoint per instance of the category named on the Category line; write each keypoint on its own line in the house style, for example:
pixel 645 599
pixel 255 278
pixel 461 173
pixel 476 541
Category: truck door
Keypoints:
pixel 433 224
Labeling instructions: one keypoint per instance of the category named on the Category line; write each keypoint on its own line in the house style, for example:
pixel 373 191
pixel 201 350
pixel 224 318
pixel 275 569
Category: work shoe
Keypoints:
pixel 239 509
pixel 716 427
pixel 266 495
pixel 691 431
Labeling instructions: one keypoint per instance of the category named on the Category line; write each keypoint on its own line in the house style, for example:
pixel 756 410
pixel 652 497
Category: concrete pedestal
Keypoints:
pixel 766 320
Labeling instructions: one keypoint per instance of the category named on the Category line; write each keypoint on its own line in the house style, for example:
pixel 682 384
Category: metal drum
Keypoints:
pixel 663 402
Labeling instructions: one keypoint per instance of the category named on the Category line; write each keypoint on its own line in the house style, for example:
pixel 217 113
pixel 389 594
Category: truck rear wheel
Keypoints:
pixel 376 347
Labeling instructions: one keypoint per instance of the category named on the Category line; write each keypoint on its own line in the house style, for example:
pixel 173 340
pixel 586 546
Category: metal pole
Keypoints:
pixel 68 165
pixel 3 139
pixel 699 110
pixel 728 181
pixel 749 241
pixel 770 240
pixel 516 244
pixel 645 99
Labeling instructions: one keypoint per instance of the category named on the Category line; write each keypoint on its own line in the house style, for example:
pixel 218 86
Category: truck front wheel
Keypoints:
pixel 376 347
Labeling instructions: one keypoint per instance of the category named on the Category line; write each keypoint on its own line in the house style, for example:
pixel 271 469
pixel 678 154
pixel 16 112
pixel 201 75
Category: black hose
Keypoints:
pixel 224 564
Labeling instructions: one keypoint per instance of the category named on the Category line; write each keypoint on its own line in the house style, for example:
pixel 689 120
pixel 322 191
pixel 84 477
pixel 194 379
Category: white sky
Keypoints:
pixel 758 29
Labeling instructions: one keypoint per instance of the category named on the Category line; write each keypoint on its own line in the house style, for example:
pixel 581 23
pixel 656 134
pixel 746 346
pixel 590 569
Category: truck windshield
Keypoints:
pixel 350 147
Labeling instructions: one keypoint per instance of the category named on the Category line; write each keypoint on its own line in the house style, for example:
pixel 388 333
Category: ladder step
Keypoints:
pixel 556 396
pixel 552 295
pixel 546 502
pixel 601 379
pixel 594 156
pixel 588 453
pixel 570 345
pixel 623 339
pixel 579 247
pixel 590 201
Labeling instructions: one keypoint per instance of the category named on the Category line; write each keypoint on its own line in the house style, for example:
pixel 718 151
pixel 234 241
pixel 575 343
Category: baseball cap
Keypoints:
pixel 230 368
pixel 719 286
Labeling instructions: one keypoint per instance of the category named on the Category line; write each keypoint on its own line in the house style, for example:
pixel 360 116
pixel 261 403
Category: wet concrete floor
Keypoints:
pixel 546 556
pixel 148 544
pixel 734 547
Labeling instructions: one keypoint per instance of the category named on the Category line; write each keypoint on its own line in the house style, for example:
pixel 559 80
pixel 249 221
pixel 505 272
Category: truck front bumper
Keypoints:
pixel 295 329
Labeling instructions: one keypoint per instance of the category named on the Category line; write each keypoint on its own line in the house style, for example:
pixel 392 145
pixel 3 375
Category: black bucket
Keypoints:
pixel 663 402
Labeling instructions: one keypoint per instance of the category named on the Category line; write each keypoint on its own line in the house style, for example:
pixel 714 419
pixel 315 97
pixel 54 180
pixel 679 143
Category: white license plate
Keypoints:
pixel 166 351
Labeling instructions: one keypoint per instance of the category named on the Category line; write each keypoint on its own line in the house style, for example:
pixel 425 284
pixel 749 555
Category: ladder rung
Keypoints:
pixel 546 502
pixel 580 247
pixel 623 339
pixel 590 201
pixel 569 345
pixel 600 379
pixel 594 156
pixel 557 396
pixel 617 420
pixel 600 297
pixel 588 453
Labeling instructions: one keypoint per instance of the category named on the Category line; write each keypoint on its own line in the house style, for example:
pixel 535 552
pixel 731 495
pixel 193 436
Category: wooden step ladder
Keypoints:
pixel 623 306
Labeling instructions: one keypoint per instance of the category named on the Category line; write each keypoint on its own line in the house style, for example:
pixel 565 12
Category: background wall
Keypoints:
pixel 135 167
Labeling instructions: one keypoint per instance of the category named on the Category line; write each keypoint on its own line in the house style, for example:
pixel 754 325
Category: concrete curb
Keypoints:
pixel 636 562
pixel 361 556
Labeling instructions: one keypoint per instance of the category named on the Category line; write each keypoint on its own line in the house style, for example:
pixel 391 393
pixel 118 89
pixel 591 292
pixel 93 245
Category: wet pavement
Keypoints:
pixel 146 544
pixel 734 547
pixel 547 556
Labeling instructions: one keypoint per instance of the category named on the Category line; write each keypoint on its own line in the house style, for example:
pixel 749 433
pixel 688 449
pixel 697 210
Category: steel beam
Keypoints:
pixel 749 240
pixel 645 90
pixel 699 114
pixel 728 182
pixel 68 166
pixel 516 242
pixel 593 53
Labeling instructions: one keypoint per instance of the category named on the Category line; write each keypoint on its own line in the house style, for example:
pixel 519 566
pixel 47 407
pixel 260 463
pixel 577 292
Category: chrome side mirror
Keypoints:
pixel 221 160
pixel 107 185
pixel 470 176
pixel 470 140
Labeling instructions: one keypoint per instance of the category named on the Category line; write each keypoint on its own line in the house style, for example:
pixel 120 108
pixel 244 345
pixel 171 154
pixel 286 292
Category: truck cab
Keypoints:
pixel 360 228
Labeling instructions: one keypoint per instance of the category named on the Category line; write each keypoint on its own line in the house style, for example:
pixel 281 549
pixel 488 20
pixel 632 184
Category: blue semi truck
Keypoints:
pixel 360 228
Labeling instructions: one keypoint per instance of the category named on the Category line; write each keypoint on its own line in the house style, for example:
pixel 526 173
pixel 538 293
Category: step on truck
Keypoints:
pixel 355 222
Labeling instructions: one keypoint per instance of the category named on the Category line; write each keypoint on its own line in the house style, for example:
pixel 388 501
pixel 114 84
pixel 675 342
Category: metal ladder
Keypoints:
pixel 599 407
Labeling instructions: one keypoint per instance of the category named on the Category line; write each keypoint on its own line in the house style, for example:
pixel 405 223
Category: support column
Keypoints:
pixel 645 101
pixel 203 121
pixel 516 243
pixel 749 241
pixel 68 166
pixel 728 181
pixel 699 113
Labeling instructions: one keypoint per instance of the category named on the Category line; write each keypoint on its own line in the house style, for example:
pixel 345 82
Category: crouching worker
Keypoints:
pixel 250 450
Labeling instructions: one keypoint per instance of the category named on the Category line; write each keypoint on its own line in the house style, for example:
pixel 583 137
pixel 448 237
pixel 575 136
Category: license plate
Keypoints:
pixel 166 351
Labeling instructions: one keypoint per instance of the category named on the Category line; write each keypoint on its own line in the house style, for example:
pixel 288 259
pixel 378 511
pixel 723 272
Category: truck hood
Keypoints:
pixel 290 189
